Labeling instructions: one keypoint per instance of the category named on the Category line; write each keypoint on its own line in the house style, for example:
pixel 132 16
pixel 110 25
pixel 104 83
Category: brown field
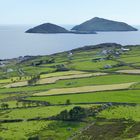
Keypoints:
pixel 85 89
pixel 135 71
pixel 54 79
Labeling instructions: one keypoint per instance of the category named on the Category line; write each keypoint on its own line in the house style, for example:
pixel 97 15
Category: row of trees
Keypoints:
pixel 31 103
pixel 41 62
pixel 61 67
pixel 75 114
pixel 19 78
pixel 78 113
pixel 25 104
pixel 34 80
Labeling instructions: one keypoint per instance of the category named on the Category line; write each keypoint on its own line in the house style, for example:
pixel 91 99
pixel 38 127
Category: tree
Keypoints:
pixel 77 113
pixel 33 80
pixel 68 102
pixel 61 67
pixel 24 104
pixel 4 106
pixel 34 138
pixel 17 104
pixel 29 104
pixel 64 115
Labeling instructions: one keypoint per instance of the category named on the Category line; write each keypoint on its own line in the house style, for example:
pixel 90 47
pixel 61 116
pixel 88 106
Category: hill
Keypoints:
pixel 47 28
pixel 100 24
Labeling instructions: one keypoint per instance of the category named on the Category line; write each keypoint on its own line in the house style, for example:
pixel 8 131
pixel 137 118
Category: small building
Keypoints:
pixel 107 66
pixel 104 52
pixel 2 64
pixel 125 49
pixel 98 59
pixel 70 54
pixel 9 70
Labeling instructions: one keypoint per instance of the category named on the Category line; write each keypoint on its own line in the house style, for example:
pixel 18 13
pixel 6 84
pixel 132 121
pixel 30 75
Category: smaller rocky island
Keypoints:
pixel 47 28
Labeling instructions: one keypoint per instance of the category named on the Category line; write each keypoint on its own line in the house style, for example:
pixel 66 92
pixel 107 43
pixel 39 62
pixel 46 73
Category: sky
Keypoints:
pixel 68 11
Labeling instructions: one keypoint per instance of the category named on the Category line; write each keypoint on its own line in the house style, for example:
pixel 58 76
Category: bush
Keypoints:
pixel 68 102
pixel 34 138
pixel 75 114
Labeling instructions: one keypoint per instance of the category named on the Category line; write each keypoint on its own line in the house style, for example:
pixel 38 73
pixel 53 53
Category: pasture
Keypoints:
pixel 101 84
pixel 121 96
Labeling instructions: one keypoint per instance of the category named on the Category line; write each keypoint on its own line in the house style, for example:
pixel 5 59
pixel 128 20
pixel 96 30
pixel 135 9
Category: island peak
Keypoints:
pixel 47 28
pixel 101 24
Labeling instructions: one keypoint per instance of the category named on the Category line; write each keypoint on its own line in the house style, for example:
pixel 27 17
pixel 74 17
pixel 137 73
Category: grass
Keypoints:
pixel 50 80
pixel 2 96
pixel 110 131
pixel 44 129
pixel 22 130
pixel 131 59
pixel 42 112
pixel 30 70
pixel 89 88
pixel 122 112
pixel 89 65
pixel 61 130
pixel 124 96
pixel 3 81
pixel 34 112
pixel 85 89
pixel 136 86
pixel 98 80
pixel 54 79
pixel 55 74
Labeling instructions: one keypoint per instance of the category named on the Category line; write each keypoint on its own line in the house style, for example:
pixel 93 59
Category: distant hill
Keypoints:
pixel 100 24
pixel 47 28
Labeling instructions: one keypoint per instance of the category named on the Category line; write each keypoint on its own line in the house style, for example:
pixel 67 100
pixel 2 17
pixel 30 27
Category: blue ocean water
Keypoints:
pixel 15 42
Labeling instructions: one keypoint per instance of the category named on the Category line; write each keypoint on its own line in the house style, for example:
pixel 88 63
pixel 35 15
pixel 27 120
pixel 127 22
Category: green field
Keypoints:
pixel 99 80
pixel 35 112
pixel 124 96
pixel 101 89
pixel 122 112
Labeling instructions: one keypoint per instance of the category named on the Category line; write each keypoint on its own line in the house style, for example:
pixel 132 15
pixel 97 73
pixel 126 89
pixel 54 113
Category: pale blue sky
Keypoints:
pixel 68 11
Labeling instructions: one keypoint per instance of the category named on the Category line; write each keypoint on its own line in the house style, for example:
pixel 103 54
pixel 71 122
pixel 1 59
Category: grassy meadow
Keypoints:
pixel 42 97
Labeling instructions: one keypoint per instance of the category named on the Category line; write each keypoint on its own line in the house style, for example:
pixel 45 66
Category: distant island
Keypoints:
pixel 100 24
pixel 49 28
pixel 89 27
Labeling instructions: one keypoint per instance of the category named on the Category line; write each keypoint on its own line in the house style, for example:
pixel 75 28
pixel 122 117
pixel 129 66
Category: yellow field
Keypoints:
pixel 85 89
pixel 135 71
pixel 64 73
pixel 17 84
pixel 54 79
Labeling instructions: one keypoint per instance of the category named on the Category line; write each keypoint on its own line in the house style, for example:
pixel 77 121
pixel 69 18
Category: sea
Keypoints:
pixel 14 42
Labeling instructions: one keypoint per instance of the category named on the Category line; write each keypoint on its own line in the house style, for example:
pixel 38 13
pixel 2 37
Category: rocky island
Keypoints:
pixel 100 24
pixel 47 28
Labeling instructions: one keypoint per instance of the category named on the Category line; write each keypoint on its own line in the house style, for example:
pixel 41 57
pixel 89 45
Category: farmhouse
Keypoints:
pixel 125 49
